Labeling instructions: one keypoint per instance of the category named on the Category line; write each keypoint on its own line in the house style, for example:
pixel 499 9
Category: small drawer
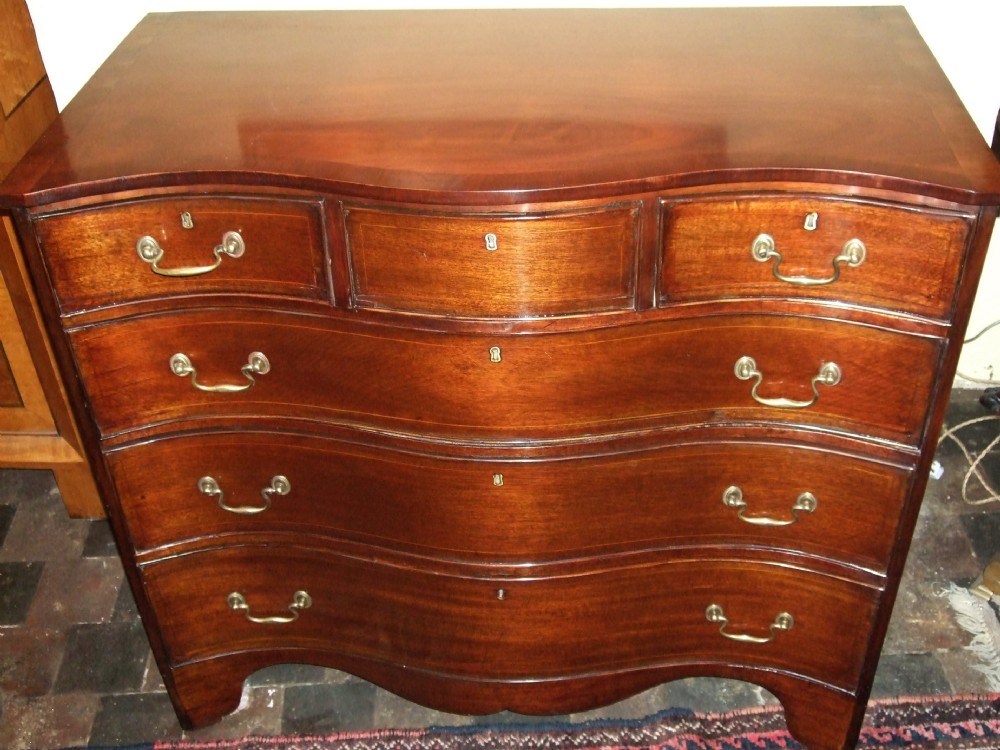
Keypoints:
pixel 779 496
pixel 493 266
pixel 109 255
pixel 864 253
pixel 453 386
pixel 607 619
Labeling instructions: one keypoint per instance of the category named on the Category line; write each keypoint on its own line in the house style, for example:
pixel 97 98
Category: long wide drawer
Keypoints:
pixel 513 629
pixel 721 369
pixel 859 252
pixel 185 245
pixel 720 493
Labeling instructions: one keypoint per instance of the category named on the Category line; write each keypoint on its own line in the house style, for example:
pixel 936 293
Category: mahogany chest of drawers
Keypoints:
pixel 515 359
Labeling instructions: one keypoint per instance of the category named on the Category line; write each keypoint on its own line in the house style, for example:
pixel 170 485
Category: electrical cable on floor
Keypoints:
pixel 970 378
pixel 991 401
pixel 974 461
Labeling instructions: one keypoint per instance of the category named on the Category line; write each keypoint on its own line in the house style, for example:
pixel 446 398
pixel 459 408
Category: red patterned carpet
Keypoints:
pixel 943 723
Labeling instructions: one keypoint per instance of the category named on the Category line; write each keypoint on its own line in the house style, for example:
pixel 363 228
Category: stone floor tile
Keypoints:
pixel 18 485
pixel 715 694
pixel 297 674
pixel 99 541
pixel 909 675
pixel 108 658
pixel 29 659
pixel 393 712
pixel 152 681
pixel 18 583
pixel 960 667
pixel 41 530
pixel 645 703
pixel 320 709
pixel 260 713
pixel 47 723
pixel 941 549
pixel 922 620
pixel 78 591
pixel 983 529
pixel 6 517
pixel 125 609
pixel 131 718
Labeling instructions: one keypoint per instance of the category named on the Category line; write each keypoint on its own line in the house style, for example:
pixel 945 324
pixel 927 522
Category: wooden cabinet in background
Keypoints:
pixel 36 427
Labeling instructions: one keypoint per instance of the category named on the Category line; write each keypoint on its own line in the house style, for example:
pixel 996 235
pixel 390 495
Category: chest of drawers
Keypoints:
pixel 513 359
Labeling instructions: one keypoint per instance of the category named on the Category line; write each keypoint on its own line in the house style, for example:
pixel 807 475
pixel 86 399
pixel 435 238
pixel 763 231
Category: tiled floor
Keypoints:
pixel 75 667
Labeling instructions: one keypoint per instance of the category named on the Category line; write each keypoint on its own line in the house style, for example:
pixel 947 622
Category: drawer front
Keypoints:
pixel 567 384
pixel 94 259
pixel 910 259
pixel 494 266
pixel 684 495
pixel 511 629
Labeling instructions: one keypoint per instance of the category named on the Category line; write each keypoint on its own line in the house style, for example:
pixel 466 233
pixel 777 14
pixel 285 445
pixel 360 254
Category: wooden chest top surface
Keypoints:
pixel 491 107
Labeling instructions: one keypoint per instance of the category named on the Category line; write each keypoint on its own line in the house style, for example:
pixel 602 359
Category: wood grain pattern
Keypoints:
pixel 912 261
pixel 539 265
pixel 505 106
pixel 99 265
pixel 20 62
pixel 547 385
pixel 537 510
pixel 627 617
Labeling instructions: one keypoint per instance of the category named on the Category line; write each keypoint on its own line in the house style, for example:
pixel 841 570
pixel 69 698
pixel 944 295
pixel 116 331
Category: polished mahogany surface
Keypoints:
pixel 518 104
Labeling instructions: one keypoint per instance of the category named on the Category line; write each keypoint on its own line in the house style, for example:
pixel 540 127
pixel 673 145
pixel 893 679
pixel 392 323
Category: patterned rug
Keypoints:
pixel 945 723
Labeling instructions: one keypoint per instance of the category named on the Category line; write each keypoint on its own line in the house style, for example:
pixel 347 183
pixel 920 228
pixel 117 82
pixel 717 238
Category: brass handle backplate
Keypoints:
pixel 853 254
pixel 804 503
pixel 279 486
pixel 300 600
pixel 150 251
pixel 783 621
pixel 257 364
pixel 746 368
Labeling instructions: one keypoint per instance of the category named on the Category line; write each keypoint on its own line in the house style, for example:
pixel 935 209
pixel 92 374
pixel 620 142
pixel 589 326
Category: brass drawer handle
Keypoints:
pixel 151 252
pixel 853 253
pixel 257 364
pixel 300 600
pixel 279 486
pixel 783 621
pixel 804 503
pixel 746 368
